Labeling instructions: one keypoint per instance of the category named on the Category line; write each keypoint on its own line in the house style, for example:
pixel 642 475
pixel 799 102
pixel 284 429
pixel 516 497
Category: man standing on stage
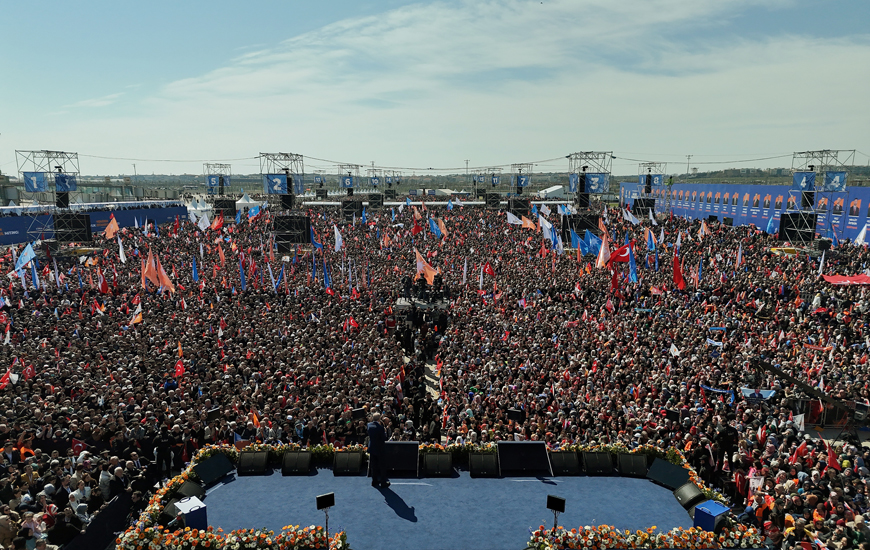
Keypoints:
pixel 377 437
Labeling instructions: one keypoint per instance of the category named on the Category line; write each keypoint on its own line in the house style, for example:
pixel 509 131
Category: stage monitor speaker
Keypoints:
pixel 493 201
pixel 797 227
pixel 376 200
pixel 483 464
pixel 565 463
pixel 288 201
pixel 519 207
pixel 437 465
pixel 523 458
pixel 191 489
pixel 168 513
pixel 582 200
pixel 321 194
pixel 728 221
pixel 632 465
pixel 213 469
pixel 666 474
pixel 390 194
pixel 296 463
pixel 253 463
pixel 597 464
pixel 688 495
pixel 347 463
pixel 808 200
pixel 61 199
pixel 402 457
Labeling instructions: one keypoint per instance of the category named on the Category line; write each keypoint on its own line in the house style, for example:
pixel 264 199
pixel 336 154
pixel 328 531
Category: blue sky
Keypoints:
pixel 429 84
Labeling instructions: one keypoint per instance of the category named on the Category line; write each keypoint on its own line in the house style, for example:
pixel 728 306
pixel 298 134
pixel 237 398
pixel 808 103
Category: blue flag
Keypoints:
pixel 25 257
pixel 193 268
pixel 393 210
pixel 657 260
pixel 592 242
pixel 407 201
pixel 433 227
pixel 280 278
pixel 535 209
pixel 575 240
pixel 326 282
pixel 650 242
pixel 242 274
pixel 238 217
pixel 253 212
pixel 33 275
pixel 632 266
pixel 770 225
pixel 79 273
pixel 364 218
pixel 449 205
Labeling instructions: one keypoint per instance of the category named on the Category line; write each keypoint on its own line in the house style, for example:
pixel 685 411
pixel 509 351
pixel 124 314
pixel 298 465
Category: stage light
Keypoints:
pixel 557 505
pixel 325 502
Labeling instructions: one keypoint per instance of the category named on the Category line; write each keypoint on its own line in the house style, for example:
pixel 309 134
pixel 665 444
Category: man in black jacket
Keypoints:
pixel 377 437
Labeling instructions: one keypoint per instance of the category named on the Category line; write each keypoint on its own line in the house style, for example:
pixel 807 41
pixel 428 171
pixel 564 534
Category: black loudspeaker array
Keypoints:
pixel 483 464
pixel 581 200
pixel 296 463
pixel 438 465
pixel 689 496
pixel 288 201
pixel 213 469
pixel 390 194
pixel 351 208
pixel 347 463
pixel 321 194
pixel 565 463
pixel 493 201
pixel 797 227
pixel 579 223
pixel 227 206
pixel 72 227
pixel 641 207
pixel 376 200
pixel 519 207
pixel 632 465
pixel 597 464
pixel 61 199
pixel 253 463
pixel 291 231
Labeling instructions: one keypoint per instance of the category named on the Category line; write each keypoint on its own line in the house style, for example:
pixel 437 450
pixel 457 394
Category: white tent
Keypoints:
pixel 247 202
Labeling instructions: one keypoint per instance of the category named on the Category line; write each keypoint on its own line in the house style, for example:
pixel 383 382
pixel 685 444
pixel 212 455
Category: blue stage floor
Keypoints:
pixel 441 513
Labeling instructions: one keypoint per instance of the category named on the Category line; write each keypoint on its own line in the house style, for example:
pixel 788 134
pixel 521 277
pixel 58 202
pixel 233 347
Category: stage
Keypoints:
pixel 440 513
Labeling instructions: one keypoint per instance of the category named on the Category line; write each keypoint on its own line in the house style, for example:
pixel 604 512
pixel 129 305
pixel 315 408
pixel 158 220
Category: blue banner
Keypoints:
pixel 573 180
pixel 347 182
pixel 495 180
pixel 318 179
pixel 34 181
pixel 389 180
pixel 804 181
pixel 835 181
pixel 597 183
pixel 298 184
pixel 275 184
pixel 655 179
pixel 375 181
pixel 523 180
pixel 64 183
pixel 212 181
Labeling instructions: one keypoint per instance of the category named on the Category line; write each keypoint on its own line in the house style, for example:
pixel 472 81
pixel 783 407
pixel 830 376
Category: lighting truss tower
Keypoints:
pixel 592 162
pixel 223 173
pixel 374 173
pixel 518 170
pixel 48 163
pixel 820 162
pixel 290 164
pixel 396 176
pixel 654 169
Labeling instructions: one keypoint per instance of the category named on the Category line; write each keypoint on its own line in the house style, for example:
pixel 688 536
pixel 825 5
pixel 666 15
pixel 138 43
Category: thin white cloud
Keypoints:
pixel 97 101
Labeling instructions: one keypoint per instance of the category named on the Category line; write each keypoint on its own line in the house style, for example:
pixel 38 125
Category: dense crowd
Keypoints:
pixel 251 345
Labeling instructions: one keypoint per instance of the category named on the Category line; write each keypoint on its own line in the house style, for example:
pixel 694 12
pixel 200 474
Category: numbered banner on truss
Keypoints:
pixel 597 183
pixel 835 181
pixel 803 181
pixel 64 183
pixel 347 182
pixel 275 184
pixel 34 181
pixel 298 184
pixel 375 181
pixel 655 179
pixel 318 179
pixel 523 180
pixel 495 180
pixel 573 181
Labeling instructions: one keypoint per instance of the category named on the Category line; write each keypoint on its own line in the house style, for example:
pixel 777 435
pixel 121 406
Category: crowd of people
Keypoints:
pixel 120 371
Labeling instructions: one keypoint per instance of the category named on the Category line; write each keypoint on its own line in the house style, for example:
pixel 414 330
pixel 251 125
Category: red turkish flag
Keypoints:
pixel 488 269
pixel 620 254
pixel 77 446
pixel 678 274
pixel 29 372
pixel 179 368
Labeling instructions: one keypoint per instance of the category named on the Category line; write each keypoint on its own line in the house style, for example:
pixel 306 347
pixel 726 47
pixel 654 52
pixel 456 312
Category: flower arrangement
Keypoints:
pixel 607 536
pixel 146 534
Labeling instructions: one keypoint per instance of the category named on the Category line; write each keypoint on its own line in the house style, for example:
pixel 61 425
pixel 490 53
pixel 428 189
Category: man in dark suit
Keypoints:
pixel 10 454
pixel 377 437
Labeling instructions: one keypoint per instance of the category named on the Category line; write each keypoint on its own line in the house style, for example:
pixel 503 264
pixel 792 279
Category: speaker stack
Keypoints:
pixel 351 207
pixel 321 194
pixel 72 227
pixel 347 463
pixel 291 231
pixel 253 463
pixel 296 463
pixel 641 207
pixel 493 201
pixel 519 207
pixel 288 201
pixel 227 206
pixel 581 200
pixel 61 199
pixel 390 194
pixel 580 223
pixel 376 200
pixel 798 227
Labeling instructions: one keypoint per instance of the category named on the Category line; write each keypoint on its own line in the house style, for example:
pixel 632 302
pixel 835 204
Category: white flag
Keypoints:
pixel 652 218
pixel 480 280
pixel 603 254
pixel 203 222
pixel 121 255
pixel 662 235
pixel 192 215
pixel 465 271
pixel 338 240
pixel 822 263
pixel 628 216
pixel 513 220
pixel 679 240
pixel 859 240
pixel 545 210
pixel 674 351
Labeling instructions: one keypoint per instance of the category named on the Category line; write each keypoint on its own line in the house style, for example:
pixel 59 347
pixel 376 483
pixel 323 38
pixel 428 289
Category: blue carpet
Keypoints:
pixel 441 513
